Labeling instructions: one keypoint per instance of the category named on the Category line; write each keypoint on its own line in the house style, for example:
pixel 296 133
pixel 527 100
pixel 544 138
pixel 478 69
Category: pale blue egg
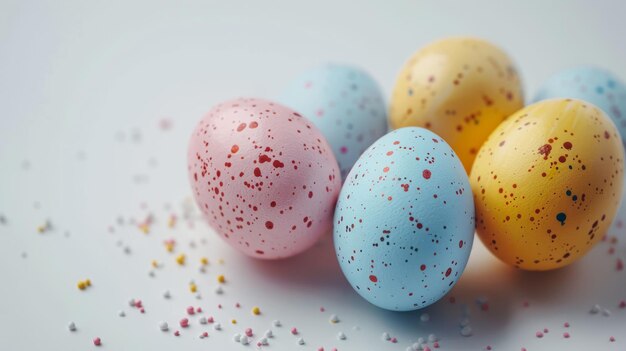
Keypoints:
pixel 346 105
pixel 596 85
pixel 404 221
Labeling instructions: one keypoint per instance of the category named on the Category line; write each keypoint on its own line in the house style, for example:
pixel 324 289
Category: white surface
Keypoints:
pixel 80 80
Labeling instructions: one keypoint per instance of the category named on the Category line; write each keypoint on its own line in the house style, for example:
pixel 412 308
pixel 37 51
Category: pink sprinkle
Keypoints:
pixel 190 310
pixel 97 341
pixel 612 339
pixel 622 304
pixel 488 347
pixel 436 344
pixel 142 310
pixel 210 319
pixel 566 325
pixel 619 265
pixel 249 332
pixel 294 331
pixel 322 309
pixel 199 309
pixel 258 344
pixel 343 150
pixel 177 333
pixel 237 305
pixel 545 330
pixel 523 349
pixel 184 322
pixel 320 349
pixel 426 348
pixel 219 306
pixel 205 334
pixel 566 335
pixel 138 303
pixel 394 340
pixel 334 349
pixel 539 334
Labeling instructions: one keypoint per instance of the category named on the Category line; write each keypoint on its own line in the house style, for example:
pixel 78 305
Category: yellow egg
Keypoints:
pixel 460 88
pixel 547 183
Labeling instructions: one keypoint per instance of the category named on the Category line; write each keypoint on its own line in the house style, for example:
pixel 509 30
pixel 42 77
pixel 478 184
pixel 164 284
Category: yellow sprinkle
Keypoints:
pixel 256 311
pixel 193 288
pixel 155 263
pixel 81 285
pixel 180 259
pixel 41 228
pixel 204 261
pixel 234 321
pixel 169 246
pixel 145 228
pixel 172 221
pixel 88 282
pixel 220 261
pixel 221 279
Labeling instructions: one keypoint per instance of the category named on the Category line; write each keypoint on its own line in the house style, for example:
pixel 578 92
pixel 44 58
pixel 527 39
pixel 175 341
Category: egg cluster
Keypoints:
pixel 539 184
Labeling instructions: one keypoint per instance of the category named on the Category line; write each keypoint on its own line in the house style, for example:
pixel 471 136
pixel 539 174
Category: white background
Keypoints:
pixel 83 88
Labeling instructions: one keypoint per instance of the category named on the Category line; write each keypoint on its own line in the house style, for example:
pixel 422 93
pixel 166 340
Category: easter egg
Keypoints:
pixel 618 228
pixel 345 103
pixel 460 88
pixel 592 84
pixel 547 183
pixel 404 221
pixel 264 177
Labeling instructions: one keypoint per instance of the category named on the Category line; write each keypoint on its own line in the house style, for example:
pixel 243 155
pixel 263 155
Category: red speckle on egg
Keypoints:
pixel 241 127
pixel 269 225
pixel 373 279
pixel 426 174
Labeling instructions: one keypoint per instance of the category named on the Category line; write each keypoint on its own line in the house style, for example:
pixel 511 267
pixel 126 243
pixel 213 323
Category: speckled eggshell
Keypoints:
pixel 345 103
pixel 264 177
pixel 618 228
pixel 547 183
pixel 596 85
pixel 404 222
pixel 460 88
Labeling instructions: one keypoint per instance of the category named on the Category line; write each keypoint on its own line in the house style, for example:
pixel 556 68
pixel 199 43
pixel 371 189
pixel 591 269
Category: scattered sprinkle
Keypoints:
pixel 256 311
pixel 163 326
pixel 71 326
pixel 97 341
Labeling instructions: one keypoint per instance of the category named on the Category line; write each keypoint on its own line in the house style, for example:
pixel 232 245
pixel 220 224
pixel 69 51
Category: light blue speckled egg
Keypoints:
pixel 618 227
pixel 404 221
pixel 346 105
pixel 596 85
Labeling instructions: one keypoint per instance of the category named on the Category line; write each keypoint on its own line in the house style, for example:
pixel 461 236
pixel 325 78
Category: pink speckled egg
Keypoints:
pixel 264 177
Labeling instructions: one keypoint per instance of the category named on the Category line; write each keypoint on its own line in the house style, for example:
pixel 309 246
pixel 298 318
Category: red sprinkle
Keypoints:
pixel 97 341
pixel 249 332
pixel 191 310
pixel 177 333
pixel 210 319
pixel 294 331
pixel 612 339
pixel 566 335
pixel 394 340
pixel 539 334
pixel 184 322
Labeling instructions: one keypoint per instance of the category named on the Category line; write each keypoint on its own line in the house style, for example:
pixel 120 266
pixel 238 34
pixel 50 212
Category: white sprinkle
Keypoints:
pixel 71 326
pixel 466 331
pixel 386 336
pixel 300 341
pixel 202 320
pixel 356 327
pixel 202 269
pixel 151 274
pixel 121 313
pixel 416 346
pixel 334 319
pixel 464 322
pixel 606 312
pixel 198 296
pixel 432 338
pixel 341 336
pixel 420 340
pixel 277 323
pixel 409 348
pixel 269 334
pixel 127 250
pixel 217 326
pixel 425 317
pixel 219 290
pixel 244 340
pixel 263 341
pixel 201 336
pixel 595 309
pixel 237 337
pixel 163 326
pixel 131 302
pixel 166 294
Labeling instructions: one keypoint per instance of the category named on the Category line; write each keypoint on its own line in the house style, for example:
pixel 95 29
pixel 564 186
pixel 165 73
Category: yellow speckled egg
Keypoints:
pixel 460 88
pixel 547 183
